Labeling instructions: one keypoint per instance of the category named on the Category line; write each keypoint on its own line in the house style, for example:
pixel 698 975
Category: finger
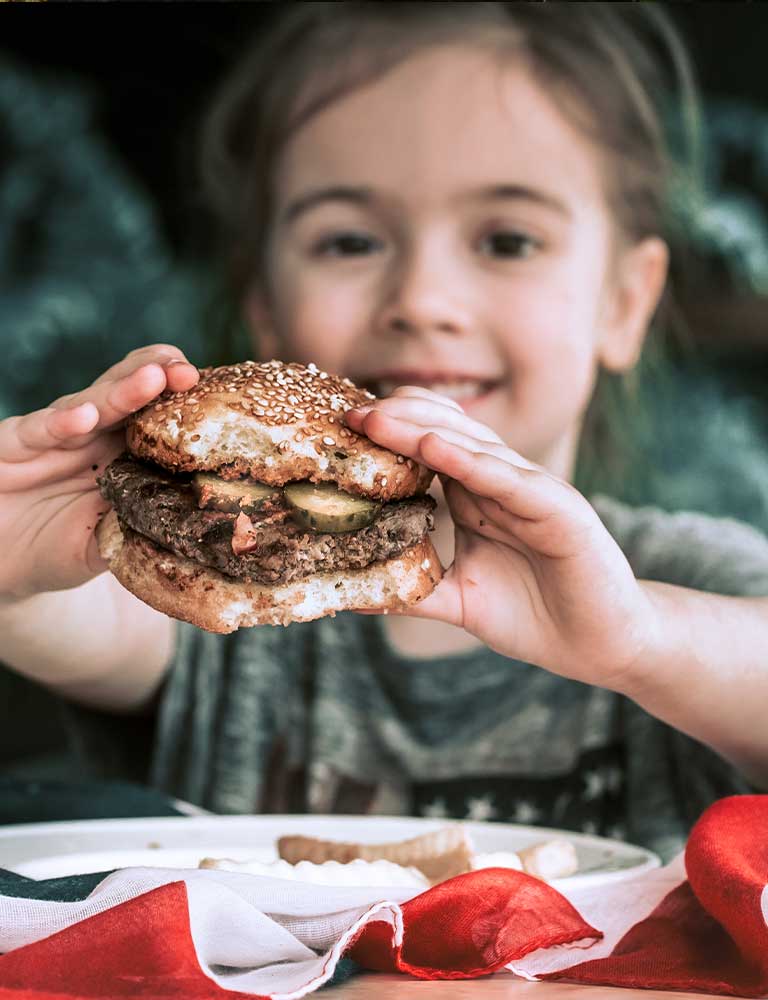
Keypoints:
pixel 405 437
pixel 22 438
pixel 443 604
pixel 80 465
pixel 432 413
pixel 116 399
pixel 180 376
pixel 419 392
pixel 556 511
pixel 73 421
pixel 164 355
pixel 481 516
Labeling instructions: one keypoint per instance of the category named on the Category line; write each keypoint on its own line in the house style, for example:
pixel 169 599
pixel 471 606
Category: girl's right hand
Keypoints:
pixel 49 460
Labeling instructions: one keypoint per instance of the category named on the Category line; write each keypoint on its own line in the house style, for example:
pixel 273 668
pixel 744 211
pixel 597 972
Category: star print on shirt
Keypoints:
pixel 614 779
pixel 481 809
pixel 587 798
pixel 436 809
pixel 526 813
pixel 601 781
pixel 595 785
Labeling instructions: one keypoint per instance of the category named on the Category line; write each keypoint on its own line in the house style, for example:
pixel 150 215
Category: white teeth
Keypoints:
pixel 458 390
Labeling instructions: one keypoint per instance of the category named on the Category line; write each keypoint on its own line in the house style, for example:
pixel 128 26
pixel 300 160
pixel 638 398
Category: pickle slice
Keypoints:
pixel 230 495
pixel 324 507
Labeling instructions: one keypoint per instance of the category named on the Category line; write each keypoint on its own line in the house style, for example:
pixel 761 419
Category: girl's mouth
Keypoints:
pixel 465 391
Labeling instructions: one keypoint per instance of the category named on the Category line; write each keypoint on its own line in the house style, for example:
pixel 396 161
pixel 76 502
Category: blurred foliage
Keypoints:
pixel 723 222
pixel 84 274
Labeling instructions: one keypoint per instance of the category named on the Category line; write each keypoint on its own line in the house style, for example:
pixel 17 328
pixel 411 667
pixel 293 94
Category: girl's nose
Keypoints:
pixel 425 295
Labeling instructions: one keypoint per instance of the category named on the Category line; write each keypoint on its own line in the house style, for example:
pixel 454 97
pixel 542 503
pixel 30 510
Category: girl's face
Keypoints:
pixel 447 227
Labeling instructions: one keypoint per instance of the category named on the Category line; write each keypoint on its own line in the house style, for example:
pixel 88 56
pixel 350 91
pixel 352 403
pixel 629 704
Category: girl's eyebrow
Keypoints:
pixel 311 199
pixel 364 196
pixel 521 192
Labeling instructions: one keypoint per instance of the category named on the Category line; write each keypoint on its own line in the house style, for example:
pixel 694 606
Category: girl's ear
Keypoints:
pixel 259 322
pixel 637 288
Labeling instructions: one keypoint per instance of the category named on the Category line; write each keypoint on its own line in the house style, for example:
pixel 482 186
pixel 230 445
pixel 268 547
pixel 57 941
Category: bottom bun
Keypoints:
pixel 184 589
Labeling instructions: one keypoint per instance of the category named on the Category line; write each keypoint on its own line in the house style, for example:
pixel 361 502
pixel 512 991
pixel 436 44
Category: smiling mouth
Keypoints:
pixel 460 390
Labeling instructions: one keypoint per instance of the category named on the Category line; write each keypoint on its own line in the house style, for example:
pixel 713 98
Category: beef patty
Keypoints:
pixel 164 508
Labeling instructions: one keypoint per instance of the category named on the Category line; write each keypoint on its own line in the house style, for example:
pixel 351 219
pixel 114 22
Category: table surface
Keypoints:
pixel 502 986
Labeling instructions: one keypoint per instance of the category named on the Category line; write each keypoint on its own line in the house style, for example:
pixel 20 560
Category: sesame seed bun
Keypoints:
pixel 274 422
pixel 183 589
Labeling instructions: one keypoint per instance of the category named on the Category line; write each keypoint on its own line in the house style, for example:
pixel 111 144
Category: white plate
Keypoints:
pixel 48 850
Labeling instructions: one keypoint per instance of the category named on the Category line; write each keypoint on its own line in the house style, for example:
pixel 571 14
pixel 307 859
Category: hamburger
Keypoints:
pixel 246 500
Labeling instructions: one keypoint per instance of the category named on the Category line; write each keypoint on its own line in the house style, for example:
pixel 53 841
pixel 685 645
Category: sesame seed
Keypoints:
pixel 275 393
pixel 328 440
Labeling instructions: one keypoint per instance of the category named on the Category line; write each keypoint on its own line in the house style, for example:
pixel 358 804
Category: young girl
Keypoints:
pixel 460 206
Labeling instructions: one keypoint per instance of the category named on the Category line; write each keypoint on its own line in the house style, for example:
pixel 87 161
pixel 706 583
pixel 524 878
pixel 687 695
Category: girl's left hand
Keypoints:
pixel 536 576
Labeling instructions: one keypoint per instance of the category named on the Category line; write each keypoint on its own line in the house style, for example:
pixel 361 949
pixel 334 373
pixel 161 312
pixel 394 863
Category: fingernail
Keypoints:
pixel 176 361
pixel 360 410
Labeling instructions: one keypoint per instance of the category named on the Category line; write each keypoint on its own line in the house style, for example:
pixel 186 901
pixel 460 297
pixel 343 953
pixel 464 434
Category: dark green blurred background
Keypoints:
pixel 105 245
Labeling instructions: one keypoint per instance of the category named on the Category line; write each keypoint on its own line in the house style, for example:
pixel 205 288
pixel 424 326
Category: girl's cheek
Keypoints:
pixel 323 329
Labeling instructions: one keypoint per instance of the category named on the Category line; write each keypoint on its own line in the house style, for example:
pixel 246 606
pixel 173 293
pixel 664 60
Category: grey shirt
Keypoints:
pixel 327 716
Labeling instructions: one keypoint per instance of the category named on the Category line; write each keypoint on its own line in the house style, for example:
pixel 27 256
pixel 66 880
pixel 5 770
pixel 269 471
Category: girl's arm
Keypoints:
pixel 96 643
pixel 708 673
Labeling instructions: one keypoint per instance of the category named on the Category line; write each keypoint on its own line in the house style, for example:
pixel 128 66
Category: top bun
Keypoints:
pixel 274 422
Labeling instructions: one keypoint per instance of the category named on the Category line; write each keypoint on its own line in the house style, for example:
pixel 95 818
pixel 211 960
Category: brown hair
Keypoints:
pixel 618 69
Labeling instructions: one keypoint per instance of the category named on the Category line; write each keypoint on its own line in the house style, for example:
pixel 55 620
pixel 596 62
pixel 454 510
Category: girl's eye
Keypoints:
pixel 509 244
pixel 347 245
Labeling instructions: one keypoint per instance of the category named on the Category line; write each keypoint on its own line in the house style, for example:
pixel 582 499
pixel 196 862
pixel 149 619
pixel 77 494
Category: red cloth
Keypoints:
pixel 471 926
pixel 708 935
pixel 142 948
